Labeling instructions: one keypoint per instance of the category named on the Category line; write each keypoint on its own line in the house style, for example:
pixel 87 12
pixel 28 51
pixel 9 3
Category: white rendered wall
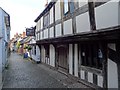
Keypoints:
pixel 107 15
pixel 90 77
pixel 51 15
pixel 82 74
pixel 51 32
pixel 82 2
pixel 58 30
pixel 57 10
pixel 37 53
pixel 42 54
pixel 41 22
pixel 83 23
pixel 52 55
pixel 100 80
pixel 112 70
pixel 76 60
pixel 45 33
pixel 67 27
pixel 41 35
pixel 70 58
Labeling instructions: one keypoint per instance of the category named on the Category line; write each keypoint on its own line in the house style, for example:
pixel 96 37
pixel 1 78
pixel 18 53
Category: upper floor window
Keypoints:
pixel 72 7
pixel 66 6
pixel 46 20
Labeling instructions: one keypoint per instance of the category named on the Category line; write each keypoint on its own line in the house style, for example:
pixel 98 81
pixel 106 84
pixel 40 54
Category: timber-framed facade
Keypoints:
pixel 82 40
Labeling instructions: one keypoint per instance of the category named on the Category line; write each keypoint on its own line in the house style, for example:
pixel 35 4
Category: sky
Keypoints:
pixel 22 13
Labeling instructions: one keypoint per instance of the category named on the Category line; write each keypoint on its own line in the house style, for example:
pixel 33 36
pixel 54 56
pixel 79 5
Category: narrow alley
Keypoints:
pixel 23 73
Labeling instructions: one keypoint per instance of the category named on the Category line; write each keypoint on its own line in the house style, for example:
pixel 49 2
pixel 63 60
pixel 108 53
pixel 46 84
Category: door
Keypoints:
pixel 62 59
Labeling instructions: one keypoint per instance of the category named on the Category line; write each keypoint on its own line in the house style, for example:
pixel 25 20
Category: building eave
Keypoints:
pixel 108 34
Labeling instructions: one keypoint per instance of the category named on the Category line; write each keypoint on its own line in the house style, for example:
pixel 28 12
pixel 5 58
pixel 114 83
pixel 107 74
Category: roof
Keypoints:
pixel 46 10
pixel 5 11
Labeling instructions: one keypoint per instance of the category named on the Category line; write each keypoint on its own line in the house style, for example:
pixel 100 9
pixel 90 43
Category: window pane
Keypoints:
pixel 71 6
pixel 66 6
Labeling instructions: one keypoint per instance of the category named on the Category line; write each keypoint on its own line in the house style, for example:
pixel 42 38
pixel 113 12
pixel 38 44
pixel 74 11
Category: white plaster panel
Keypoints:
pixel 112 74
pixel 51 15
pixel 51 32
pixel 42 54
pixel 41 35
pixel 76 60
pixel 68 27
pixel 70 59
pixel 100 81
pixel 41 22
pixel 57 10
pixel 45 33
pixel 107 15
pixel 90 77
pixel 82 2
pixel 112 46
pixel 58 30
pixel 38 36
pixel 37 53
pixel 83 23
pixel 52 55
pixel 82 74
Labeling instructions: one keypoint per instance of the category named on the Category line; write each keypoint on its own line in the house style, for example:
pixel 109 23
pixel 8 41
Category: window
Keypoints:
pixel 66 8
pixel 92 55
pixel 46 20
pixel 72 6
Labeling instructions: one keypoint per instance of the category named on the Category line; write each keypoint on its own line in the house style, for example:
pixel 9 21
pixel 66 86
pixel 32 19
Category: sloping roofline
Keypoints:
pixel 5 11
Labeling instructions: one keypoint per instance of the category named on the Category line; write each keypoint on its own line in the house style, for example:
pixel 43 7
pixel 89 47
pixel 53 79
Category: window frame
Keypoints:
pixel 46 20
pixel 89 55
pixel 66 8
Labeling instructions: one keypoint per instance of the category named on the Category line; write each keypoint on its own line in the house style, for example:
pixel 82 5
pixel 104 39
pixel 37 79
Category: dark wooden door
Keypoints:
pixel 62 59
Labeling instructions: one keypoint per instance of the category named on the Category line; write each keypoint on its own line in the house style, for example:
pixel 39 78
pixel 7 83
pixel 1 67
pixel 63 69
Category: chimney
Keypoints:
pixel 23 34
pixel 46 3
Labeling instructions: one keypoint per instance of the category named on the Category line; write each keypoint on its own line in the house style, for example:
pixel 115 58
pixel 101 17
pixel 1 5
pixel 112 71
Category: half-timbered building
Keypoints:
pixel 82 39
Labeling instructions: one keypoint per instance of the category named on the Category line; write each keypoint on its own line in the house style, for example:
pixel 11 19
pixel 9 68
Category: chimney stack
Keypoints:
pixel 46 3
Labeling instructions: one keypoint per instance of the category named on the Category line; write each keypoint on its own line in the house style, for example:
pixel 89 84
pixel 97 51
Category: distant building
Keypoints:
pixel 5 34
pixel 82 40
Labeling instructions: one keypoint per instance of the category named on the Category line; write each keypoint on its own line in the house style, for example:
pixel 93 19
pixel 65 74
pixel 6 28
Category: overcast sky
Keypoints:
pixel 22 13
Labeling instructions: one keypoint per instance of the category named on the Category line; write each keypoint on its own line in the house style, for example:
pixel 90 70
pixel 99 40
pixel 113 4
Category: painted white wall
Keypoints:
pixel 100 80
pixel 67 27
pixel 41 35
pixel 37 56
pixel 3 33
pixel 41 22
pixel 83 23
pixel 107 15
pixel 112 70
pixel 76 60
pixel 42 54
pixel 112 74
pixel 70 58
pixel 90 77
pixel 51 15
pixel 58 30
pixel 82 74
pixel 82 2
pixel 52 55
pixel 45 33
pixel 51 32
pixel 57 10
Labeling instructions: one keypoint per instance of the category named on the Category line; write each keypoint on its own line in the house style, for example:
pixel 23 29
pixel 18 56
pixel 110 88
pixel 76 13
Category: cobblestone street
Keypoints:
pixel 23 73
